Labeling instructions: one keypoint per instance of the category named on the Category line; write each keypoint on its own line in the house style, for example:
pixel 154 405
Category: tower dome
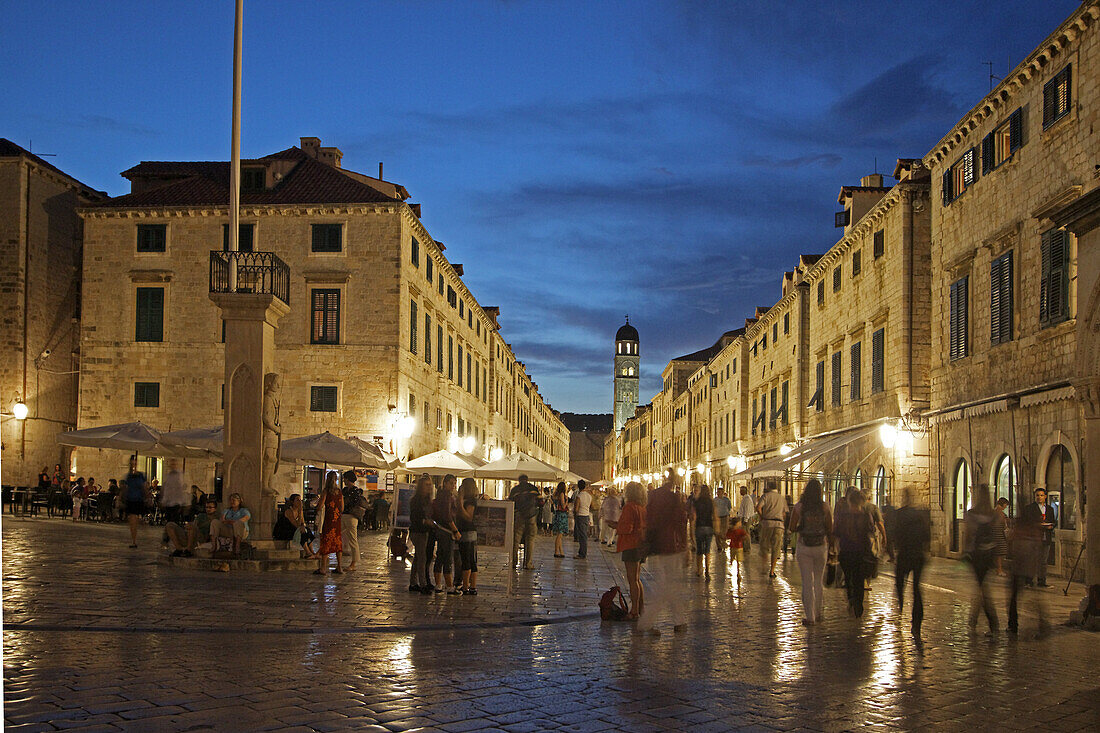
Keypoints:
pixel 626 332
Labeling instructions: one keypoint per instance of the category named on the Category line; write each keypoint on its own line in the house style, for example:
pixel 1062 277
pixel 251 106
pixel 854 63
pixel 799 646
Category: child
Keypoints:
pixel 736 535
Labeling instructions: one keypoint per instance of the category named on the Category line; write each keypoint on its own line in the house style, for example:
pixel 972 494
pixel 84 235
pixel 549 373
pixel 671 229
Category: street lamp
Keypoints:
pixel 405 427
pixel 496 454
pixel 468 444
pixel 19 410
pixel 785 449
pixel 888 433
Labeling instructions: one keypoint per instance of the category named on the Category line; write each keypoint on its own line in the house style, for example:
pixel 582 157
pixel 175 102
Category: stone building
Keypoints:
pixel 40 256
pixel 587 436
pixel 381 325
pixel 627 373
pixel 1007 295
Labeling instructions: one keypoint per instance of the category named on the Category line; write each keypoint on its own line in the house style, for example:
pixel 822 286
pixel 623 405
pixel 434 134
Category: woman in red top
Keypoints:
pixel 331 543
pixel 631 529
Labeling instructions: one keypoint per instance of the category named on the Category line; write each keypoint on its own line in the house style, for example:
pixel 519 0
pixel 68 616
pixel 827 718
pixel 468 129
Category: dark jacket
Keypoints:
pixel 666 522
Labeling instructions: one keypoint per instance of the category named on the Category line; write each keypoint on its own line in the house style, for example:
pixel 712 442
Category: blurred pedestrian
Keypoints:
pixel 1000 534
pixel 421 528
pixel 980 544
pixel 723 507
pixel 355 508
pixel 746 510
pixel 610 512
pixel 560 525
pixel 702 511
pixel 666 536
pixel 852 528
pixel 466 521
pixel 631 535
pixel 582 516
pixel 1044 516
pixel 738 538
pixel 175 496
pixel 1027 555
pixel 332 501
pixel 136 496
pixel 446 533
pixel 910 542
pixel 813 524
pixel 772 509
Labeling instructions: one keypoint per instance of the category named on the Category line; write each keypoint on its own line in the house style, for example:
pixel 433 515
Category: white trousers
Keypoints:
pixel 666 590
pixel 607 533
pixel 349 534
pixel 811 564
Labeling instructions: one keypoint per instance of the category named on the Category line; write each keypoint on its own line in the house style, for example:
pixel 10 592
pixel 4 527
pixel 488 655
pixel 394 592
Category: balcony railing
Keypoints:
pixel 257 272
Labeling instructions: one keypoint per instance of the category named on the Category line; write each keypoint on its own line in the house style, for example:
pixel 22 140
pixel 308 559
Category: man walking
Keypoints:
pixel 175 496
pixel 747 511
pixel 666 532
pixel 910 542
pixel 582 516
pixel 722 508
pixel 525 521
pixel 1043 515
pixel 773 515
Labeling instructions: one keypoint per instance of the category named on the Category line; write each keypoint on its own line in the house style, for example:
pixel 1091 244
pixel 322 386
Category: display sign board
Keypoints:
pixel 403 494
pixel 494 520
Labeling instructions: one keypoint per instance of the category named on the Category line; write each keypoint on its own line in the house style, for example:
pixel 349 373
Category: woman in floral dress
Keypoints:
pixel 331 544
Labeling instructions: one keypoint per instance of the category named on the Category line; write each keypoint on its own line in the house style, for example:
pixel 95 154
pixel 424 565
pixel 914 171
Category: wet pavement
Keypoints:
pixel 100 637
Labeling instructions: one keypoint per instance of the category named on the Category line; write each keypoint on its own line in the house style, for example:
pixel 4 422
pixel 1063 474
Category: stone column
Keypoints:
pixel 250 321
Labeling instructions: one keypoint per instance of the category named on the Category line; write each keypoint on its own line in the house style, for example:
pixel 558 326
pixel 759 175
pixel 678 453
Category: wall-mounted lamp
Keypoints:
pixel 19 410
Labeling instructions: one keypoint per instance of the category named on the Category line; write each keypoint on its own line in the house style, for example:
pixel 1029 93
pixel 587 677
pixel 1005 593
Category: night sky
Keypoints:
pixel 583 160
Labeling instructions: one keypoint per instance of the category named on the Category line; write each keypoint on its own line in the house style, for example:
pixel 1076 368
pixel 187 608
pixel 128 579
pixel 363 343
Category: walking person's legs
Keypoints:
pixel 818 557
pixel 582 536
pixel 349 531
pixel 419 578
pixel 918 599
pixel 529 544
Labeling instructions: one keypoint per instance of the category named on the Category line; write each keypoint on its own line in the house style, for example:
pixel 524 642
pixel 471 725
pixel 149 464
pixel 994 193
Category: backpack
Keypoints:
pixel 527 504
pixel 613 605
pixel 811 529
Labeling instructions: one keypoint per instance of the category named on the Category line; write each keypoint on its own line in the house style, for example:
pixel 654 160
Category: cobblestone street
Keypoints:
pixel 99 637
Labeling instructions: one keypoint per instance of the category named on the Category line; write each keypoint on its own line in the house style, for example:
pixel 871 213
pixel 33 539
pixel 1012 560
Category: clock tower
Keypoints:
pixel 627 364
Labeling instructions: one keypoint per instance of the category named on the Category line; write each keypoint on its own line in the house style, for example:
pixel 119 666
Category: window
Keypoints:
pixel 469 318
pixel 1054 285
pixel 857 262
pixel 821 293
pixel 960 176
pixel 999 145
pixel 322 399
pixel 836 280
pixel 439 349
pixel 325 322
pixel 1061 486
pixel 440 280
pixel 775 332
pixel 469 370
pixel 149 324
pixel 775 409
pixel 450 357
pixel 878 361
pixel 962 490
pixel 253 179
pixel 461 308
pixel 452 297
pixel 429 270
pixel 1005 482
pixel 855 367
pixel 764 341
pixel 1000 299
pixel 415 257
pixel 438 418
pixel 245 241
pixel 151 237
pixel 784 391
pixel 459 365
pixel 327 238
pixel 427 342
pixel 959 328
pixel 836 379
pixel 413 319
pixel 786 323
pixel 1056 101
pixel 880 484
pixel 818 399
pixel 146 394
pixel 842 218
pixel 880 243
pixel 412 405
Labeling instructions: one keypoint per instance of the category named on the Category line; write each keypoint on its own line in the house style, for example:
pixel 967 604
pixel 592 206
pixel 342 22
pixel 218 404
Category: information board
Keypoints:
pixel 402 495
pixel 494 523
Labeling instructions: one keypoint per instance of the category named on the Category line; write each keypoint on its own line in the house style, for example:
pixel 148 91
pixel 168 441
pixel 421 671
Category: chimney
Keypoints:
pixel 311 146
pixel 331 156
pixel 380 171
pixel 872 181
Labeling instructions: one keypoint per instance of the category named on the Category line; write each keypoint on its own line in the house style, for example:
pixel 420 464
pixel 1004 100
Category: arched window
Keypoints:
pixel 857 479
pixel 880 485
pixel 961 503
pixel 838 488
pixel 1061 486
pixel 1005 482
pixel 630 371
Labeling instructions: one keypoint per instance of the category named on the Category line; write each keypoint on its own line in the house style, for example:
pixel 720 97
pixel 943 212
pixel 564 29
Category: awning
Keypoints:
pixel 805 453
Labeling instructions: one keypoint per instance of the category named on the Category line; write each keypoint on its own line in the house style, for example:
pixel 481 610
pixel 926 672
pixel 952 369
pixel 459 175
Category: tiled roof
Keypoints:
pixel 8 149
pixel 206 183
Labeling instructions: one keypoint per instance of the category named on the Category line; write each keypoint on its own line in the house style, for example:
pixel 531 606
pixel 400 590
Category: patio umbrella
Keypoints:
pixel 471 459
pixel 327 448
pixel 136 437
pixel 386 461
pixel 441 462
pixel 202 440
pixel 516 465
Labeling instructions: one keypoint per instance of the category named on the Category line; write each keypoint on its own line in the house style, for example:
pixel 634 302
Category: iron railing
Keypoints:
pixel 257 272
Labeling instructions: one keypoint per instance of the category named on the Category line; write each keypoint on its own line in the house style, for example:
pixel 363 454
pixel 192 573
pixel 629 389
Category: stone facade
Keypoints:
pixel 1005 286
pixel 587 436
pixel 404 336
pixel 40 255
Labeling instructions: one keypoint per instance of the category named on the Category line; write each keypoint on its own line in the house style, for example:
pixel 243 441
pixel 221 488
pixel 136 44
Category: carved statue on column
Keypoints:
pixel 272 440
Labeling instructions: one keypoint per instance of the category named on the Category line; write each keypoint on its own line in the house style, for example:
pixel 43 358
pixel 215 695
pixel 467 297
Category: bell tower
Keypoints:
pixel 627 363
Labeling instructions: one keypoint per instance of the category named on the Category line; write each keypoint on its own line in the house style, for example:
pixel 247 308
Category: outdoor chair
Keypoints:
pixel 39 500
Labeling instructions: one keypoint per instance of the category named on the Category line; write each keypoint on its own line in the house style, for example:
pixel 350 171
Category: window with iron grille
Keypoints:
pixel 414 257
pixel 856 366
pixel 960 176
pixel 325 324
pixel 1054 286
pixel 880 243
pixel 327 237
pixel 959 326
pixel 1056 98
pixel 857 262
pixel 322 398
pixel 1000 145
pixel 878 361
pixel 149 321
pixel 1000 299
pixel 817 401
pixel 245 239
pixel 842 218
pixel 836 379
pixel 836 280
pixel 146 394
pixel 414 318
pixel 151 237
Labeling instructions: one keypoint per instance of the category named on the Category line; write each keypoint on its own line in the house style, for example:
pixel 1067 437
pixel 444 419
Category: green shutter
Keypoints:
pixel 1016 131
pixel 149 321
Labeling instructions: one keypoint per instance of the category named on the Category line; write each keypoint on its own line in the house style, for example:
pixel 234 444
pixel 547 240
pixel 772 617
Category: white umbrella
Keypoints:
pixel 386 461
pixel 441 462
pixel 210 440
pixel 471 459
pixel 132 436
pixel 516 465
pixel 327 448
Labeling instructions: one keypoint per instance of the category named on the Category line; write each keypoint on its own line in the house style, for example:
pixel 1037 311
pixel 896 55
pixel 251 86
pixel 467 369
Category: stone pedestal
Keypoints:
pixel 250 322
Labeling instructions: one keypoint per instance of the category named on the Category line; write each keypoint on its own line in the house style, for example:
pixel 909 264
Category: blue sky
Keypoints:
pixel 583 160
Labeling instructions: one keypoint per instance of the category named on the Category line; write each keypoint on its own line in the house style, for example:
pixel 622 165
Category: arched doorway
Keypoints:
pixel 1061 486
pixel 961 491
pixel 857 479
pixel 880 485
pixel 838 488
pixel 1005 482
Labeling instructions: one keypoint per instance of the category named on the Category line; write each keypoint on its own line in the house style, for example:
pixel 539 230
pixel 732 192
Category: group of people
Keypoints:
pixel 441 520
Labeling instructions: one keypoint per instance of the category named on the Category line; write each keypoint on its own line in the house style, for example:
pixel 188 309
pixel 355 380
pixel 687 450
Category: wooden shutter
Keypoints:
pixel 149 321
pixel 1000 299
pixel 970 167
pixel 947 197
pixel 325 307
pixel 959 328
pixel 1016 130
pixel 414 318
pixel 856 368
pixel 427 340
pixel 784 419
pixel 775 408
pixel 1053 295
pixel 878 358
pixel 988 161
pixel 836 378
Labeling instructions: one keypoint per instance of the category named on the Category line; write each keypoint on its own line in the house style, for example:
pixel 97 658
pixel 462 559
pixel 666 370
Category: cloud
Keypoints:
pixel 110 124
